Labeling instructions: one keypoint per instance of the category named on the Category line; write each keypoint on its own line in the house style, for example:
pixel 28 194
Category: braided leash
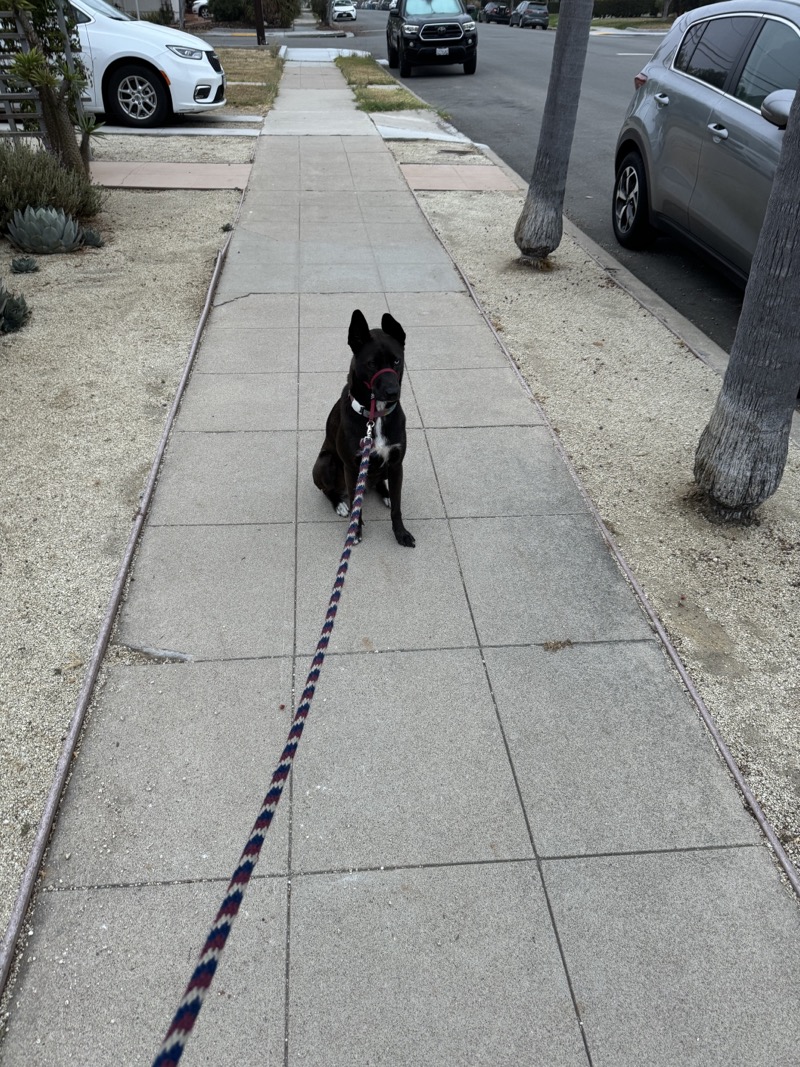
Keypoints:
pixel 199 984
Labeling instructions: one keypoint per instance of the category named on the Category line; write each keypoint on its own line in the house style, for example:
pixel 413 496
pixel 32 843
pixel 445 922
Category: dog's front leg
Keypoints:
pixel 395 493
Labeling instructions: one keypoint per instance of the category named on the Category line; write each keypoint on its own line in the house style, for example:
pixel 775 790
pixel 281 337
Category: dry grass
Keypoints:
pixel 363 70
pixel 261 66
pixel 374 88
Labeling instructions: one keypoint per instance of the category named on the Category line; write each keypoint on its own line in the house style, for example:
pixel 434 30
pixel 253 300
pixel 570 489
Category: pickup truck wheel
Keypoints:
pixel 405 66
pixel 471 65
pixel 393 57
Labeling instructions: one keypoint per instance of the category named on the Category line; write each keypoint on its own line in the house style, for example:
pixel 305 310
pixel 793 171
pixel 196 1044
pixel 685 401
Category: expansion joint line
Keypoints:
pixel 200 982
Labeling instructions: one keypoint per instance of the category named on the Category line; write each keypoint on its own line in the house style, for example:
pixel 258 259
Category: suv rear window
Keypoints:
pixel 774 63
pixel 709 49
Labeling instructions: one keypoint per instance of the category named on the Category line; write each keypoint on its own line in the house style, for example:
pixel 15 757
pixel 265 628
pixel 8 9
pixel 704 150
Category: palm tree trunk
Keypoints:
pixel 742 451
pixel 539 227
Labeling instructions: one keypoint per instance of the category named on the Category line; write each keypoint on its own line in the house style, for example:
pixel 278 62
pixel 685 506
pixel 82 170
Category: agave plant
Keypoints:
pixel 23 265
pixel 44 230
pixel 13 311
pixel 92 239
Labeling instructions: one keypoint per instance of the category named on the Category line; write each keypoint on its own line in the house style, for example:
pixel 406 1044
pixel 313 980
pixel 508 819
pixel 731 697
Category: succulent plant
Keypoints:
pixel 23 265
pixel 13 311
pixel 44 230
pixel 92 239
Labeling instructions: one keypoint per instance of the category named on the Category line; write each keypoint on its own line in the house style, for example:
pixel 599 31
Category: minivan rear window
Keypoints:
pixel 710 48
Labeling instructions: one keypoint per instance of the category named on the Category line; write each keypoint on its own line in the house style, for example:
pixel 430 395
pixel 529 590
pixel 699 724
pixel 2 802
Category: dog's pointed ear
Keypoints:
pixel 358 334
pixel 393 328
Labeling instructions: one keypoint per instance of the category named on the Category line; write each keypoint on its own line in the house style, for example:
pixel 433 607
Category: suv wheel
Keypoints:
pixel 471 65
pixel 630 209
pixel 393 58
pixel 405 66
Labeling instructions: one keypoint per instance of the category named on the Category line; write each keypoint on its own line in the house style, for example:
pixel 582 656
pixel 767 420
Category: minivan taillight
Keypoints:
pixel 640 79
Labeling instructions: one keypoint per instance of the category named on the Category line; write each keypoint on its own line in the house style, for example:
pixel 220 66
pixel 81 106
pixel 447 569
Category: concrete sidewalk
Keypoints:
pixel 507 839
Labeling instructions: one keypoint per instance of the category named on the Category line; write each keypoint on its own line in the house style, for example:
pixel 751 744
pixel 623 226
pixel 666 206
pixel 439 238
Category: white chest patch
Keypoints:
pixel 381 446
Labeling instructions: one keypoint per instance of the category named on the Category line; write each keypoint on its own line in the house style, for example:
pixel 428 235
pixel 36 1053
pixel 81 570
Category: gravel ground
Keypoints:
pixel 86 387
pixel 88 382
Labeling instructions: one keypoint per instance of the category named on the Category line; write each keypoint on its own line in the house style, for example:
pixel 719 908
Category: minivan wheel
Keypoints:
pixel 137 96
pixel 630 208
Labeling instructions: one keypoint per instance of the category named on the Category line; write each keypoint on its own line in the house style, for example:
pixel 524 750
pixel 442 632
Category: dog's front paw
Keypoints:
pixel 342 509
pixel 405 539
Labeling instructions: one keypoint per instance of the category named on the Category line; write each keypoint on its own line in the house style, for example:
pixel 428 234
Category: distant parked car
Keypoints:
pixel 141 73
pixel 200 7
pixel 698 148
pixel 344 11
pixel 531 14
pixel 494 12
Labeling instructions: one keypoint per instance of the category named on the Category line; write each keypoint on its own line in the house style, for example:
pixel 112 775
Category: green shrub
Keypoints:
pixel 14 311
pixel 227 10
pixel 280 13
pixel 30 177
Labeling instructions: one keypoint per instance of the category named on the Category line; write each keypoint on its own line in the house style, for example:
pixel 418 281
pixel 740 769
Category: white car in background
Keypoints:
pixel 141 73
pixel 343 10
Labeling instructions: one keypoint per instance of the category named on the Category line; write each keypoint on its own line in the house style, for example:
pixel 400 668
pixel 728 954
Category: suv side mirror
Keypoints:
pixel 775 107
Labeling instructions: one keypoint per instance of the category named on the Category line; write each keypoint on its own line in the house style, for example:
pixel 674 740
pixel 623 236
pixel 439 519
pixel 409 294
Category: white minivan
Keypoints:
pixel 140 73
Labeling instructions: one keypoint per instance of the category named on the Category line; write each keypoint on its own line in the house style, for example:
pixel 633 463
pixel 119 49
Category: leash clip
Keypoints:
pixel 370 428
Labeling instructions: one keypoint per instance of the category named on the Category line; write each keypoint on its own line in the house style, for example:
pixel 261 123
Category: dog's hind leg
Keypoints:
pixel 328 476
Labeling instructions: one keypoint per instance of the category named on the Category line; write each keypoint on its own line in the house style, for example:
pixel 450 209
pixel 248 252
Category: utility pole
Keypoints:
pixel 261 37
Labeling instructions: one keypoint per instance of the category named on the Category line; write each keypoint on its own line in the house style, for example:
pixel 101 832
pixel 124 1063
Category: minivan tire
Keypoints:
pixel 630 208
pixel 154 107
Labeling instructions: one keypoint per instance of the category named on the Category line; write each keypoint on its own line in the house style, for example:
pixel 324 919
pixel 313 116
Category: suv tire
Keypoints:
pixel 405 66
pixel 471 65
pixel 630 210
pixel 393 57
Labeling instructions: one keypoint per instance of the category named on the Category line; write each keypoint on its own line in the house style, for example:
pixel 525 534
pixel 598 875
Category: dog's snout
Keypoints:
pixel 385 385
pixel 390 387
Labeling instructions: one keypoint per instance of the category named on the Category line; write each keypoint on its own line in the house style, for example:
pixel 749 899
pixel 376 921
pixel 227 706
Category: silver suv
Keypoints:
pixel 698 149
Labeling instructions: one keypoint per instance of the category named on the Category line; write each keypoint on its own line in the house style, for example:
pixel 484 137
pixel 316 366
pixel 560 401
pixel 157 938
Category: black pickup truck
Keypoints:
pixel 421 32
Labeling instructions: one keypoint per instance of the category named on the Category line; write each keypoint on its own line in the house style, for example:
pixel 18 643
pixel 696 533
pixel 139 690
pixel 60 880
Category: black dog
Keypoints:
pixel 373 384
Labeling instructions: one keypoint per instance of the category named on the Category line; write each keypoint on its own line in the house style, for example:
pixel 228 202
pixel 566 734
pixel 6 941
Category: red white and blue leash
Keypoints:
pixel 200 982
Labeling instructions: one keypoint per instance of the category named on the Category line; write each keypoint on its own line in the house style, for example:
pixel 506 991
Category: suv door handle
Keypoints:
pixel 719 132
pixel 661 99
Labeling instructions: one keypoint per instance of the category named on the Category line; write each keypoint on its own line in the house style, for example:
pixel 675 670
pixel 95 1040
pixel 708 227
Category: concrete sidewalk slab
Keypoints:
pixel 680 958
pixel 428 966
pixel 172 175
pixel 158 753
pixel 442 176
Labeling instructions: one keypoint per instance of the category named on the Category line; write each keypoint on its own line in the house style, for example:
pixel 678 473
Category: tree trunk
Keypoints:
pixel 53 96
pixel 60 131
pixel 539 227
pixel 742 452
